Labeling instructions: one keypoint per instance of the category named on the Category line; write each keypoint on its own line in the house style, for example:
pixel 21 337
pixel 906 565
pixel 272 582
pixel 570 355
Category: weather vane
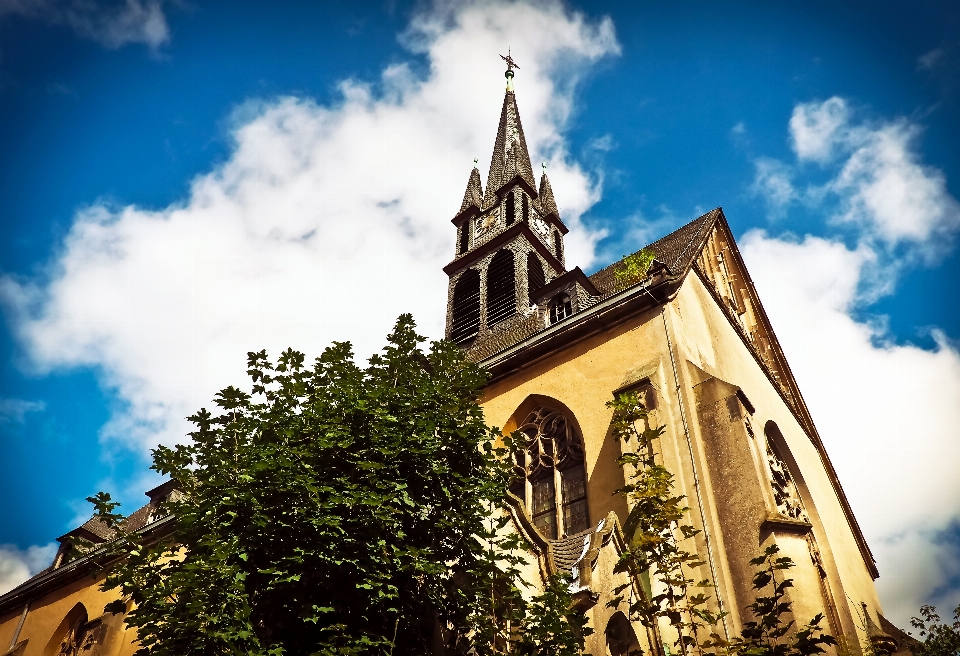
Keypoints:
pixel 510 63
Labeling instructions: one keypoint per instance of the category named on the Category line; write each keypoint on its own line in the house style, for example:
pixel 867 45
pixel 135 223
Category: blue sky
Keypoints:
pixel 183 182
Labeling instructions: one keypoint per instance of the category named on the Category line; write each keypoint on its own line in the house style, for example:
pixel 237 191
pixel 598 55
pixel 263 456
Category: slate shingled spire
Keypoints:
pixel 547 202
pixel 473 196
pixel 510 154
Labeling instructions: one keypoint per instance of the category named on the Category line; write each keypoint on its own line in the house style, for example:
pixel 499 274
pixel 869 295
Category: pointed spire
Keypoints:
pixel 473 196
pixel 547 202
pixel 510 154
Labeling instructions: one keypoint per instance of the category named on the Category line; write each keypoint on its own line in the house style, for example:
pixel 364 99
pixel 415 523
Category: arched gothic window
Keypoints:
pixel 511 208
pixel 465 320
pixel 560 308
pixel 535 279
pixel 785 492
pixel 75 636
pixel 501 288
pixel 526 208
pixel 550 474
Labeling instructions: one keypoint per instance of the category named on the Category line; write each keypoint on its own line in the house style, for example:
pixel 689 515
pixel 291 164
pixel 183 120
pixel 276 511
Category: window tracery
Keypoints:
pixel 785 492
pixel 552 461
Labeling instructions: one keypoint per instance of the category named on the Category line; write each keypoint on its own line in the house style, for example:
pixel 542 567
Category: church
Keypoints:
pixel 688 335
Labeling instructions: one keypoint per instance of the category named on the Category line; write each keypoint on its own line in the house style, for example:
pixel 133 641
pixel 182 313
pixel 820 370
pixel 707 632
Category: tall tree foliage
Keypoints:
pixel 338 509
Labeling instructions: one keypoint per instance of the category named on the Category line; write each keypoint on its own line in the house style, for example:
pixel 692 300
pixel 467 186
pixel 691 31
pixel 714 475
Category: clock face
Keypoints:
pixel 486 223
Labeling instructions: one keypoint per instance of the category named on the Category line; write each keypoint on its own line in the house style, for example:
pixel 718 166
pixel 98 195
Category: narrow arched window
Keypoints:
pixel 526 208
pixel 511 208
pixel 465 320
pixel 558 246
pixel 785 493
pixel 551 466
pixel 560 308
pixel 501 288
pixel 621 638
pixel 464 238
pixel 535 279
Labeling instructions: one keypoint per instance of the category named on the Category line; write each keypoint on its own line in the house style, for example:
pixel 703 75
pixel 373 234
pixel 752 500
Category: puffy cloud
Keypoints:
pixel 887 412
pixel 324 224
pixel 884 188
pixel 878 182
pixel 17 565
pixel 135 21
pixel 815 128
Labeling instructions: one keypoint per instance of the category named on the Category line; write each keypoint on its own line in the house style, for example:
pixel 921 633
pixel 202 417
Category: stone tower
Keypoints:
pixel 509 260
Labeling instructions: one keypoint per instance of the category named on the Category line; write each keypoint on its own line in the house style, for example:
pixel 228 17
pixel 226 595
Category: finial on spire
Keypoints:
pixel 475 162
pixel 510 66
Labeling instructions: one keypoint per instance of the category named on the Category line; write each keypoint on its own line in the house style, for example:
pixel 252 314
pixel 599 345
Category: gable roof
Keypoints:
pixel 676 250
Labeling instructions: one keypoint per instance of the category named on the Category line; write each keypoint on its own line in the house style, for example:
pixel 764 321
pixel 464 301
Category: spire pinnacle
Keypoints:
pixel 510 66
pixel 510 154
pixel 473 196
pixel 547 202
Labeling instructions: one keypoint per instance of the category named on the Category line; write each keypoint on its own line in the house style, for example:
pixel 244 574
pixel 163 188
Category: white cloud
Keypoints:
pixel 816 128
pixel 774 183
pixel 17 565
pixel 16 410
pixel 884 188
pixel 877 183
pixel 887 412
pixel 325 223
pixel 135 21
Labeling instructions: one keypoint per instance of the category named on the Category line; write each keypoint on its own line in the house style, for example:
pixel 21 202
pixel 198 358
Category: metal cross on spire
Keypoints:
pixel 509 73
pixel 510 63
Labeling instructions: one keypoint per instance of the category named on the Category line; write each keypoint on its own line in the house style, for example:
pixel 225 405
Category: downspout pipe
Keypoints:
pixel 696 476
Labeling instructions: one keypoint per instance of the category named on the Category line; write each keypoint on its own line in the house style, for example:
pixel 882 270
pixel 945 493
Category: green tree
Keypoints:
pixel 772 634
pixel 655 530
pixel 939 638
pixel 338 509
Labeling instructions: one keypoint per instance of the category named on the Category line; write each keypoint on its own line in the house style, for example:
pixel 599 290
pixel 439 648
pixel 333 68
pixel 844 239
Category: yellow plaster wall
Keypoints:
pixel 705 337
pixel 584 376
pixel 48 612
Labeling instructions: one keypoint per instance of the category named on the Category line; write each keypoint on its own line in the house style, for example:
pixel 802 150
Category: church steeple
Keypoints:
pixel 510 154
pixel 509 244
pixel 473 196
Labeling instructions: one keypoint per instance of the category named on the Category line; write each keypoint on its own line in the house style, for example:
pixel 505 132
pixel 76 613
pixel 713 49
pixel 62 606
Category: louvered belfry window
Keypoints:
pixel 501 288
pixel 551 467
pixel 465 323
pixel 526 208
pixel 535 279
pixel 511 208
pixel 464 238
